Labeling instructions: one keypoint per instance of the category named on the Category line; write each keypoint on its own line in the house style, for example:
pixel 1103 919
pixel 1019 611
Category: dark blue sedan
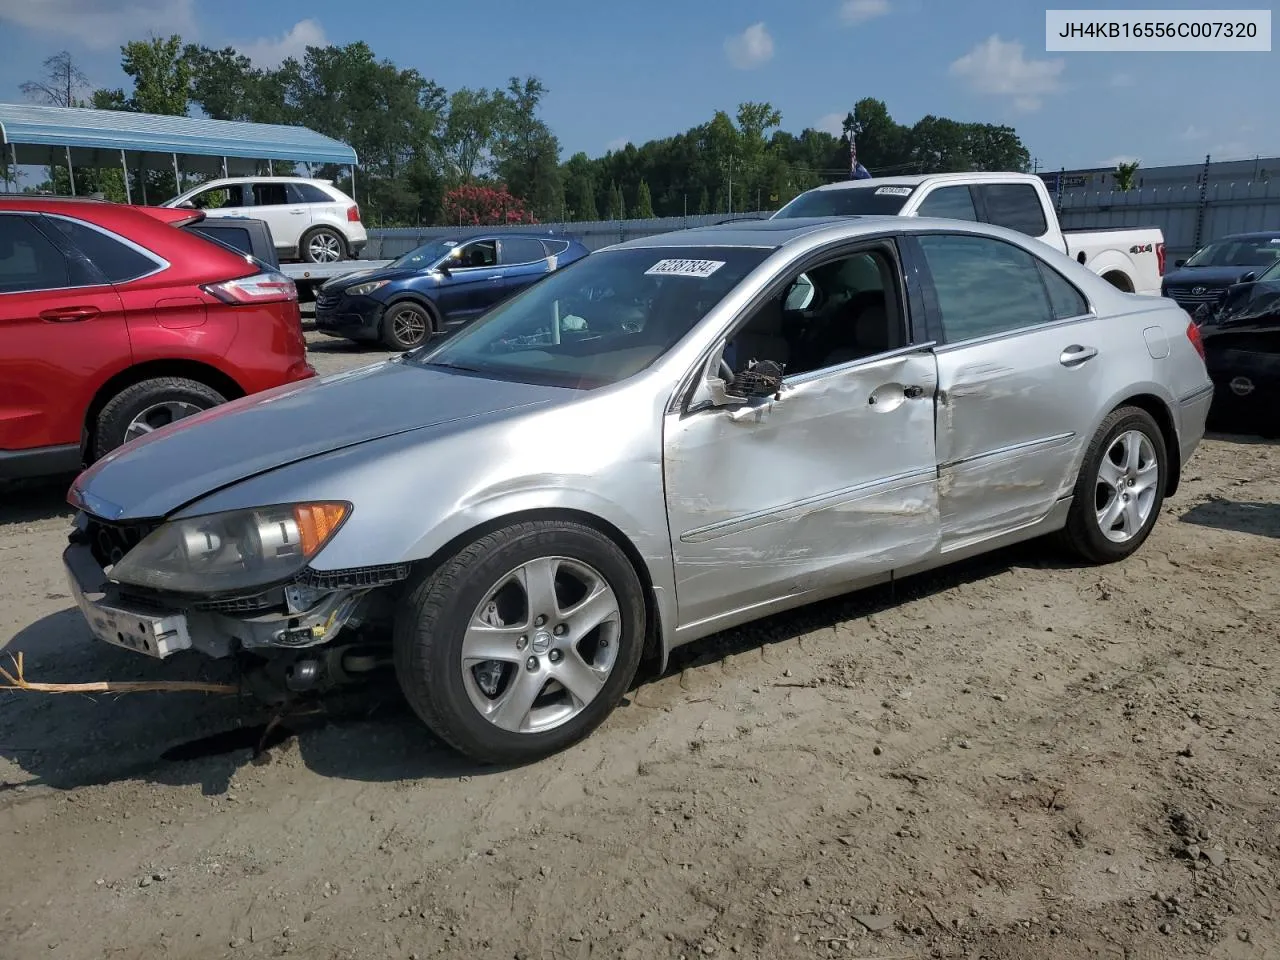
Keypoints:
pixel 438 287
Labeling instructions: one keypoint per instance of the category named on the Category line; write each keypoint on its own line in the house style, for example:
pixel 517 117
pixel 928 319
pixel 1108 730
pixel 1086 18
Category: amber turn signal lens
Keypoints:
pixel 317 522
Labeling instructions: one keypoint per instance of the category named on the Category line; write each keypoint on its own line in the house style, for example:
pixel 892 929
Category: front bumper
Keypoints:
pixel 160 628
pixel 352 318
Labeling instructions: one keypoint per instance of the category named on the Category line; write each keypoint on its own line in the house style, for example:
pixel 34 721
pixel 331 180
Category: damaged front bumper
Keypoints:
pixel 289 617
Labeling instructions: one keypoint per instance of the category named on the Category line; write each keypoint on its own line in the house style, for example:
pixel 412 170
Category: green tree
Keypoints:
pixel 1127 175
pixel 644 203
pixel 470 130
pixel 527 152
pixel 617 207
pixel 161 76
pixel 704 203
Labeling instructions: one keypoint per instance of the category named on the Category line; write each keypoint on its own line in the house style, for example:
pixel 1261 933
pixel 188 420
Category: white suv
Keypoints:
pixel 310 220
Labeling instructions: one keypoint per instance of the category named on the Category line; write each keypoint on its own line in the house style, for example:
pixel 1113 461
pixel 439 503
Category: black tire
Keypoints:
pixel 432 619
pixel 305 253
pixel 1083 534
pixel 396 316
pixel 121 410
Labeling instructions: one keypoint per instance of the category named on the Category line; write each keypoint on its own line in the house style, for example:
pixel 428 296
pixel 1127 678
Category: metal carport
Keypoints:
pixel 80 137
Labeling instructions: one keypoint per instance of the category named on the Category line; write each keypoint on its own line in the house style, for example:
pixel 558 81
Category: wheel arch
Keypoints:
pixel 654 641
pixel 413 296
pixel 1163 417
pixel 332 228
pixel 195 370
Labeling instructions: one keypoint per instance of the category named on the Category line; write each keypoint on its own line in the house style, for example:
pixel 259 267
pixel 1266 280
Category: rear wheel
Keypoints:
pixel 406 325
pixel 1120 489
pixel 323 245
pixel 146 406
pixel 523 642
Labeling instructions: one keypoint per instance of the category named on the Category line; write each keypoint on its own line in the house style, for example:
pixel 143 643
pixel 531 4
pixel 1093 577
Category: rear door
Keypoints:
pixel 1018 376
pixel 523 261
pixel 62 334
pixel 285 213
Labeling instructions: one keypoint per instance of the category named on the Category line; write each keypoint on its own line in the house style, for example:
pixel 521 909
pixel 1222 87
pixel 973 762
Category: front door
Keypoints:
pixel 835 482
pixel 1018 371
pixel 473 284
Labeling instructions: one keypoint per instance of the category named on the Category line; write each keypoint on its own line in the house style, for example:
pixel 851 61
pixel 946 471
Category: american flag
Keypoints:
pixel 856 170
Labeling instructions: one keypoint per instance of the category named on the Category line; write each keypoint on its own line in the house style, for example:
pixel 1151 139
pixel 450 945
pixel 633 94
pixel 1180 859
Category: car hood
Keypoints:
pixel 338 284
pixel 1207 276
pixel 179 463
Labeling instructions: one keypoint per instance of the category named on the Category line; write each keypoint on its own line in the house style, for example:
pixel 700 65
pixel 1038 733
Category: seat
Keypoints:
pixel 761 339
pixel 868 333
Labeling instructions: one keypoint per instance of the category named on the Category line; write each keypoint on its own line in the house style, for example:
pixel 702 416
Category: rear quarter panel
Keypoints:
pixel 1131 252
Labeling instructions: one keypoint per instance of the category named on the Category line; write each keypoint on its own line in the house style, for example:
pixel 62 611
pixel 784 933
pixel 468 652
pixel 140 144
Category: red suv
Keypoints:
pixel 113 322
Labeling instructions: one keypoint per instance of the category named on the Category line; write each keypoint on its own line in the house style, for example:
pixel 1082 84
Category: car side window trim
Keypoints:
pixel 944 345
pixel 1090 310
pixel 160 262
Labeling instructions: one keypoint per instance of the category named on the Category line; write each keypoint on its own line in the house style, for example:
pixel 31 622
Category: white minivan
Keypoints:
pixel 310 220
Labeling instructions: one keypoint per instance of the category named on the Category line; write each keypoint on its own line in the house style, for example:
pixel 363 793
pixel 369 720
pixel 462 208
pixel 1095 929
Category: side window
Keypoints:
pixel 307 193
pixel 984 286
pixel 522 250
pixel 839 311
pixel 270 194
pixel 1016 206
pixel 217 197
pixel 116 261
pixel 479 253
pixel 28 260
pixel 555 247
pixel 954 203
pixel 237 238
pixel 1066 300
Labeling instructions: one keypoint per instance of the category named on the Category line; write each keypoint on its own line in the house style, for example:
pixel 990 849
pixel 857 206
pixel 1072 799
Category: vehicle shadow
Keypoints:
pixel 1232 516
pixel 368 734
pixel 1242 438
pixel 29 501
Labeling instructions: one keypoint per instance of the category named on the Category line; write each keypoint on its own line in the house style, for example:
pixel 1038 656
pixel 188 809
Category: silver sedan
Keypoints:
pixel 670 437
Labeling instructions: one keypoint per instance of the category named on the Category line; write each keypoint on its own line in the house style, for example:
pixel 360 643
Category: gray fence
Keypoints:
pixel 1188 216
pixel 388 242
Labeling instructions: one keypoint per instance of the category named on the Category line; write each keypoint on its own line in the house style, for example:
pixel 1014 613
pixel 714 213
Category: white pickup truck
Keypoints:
pixel 1131 258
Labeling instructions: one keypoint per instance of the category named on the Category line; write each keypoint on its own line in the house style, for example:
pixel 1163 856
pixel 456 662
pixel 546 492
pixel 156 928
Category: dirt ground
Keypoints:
pixel 1012 758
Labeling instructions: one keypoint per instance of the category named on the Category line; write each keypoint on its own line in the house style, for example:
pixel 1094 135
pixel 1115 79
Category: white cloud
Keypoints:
pixel 750 48
pixel 271 52
pixel 102 24
pixel 998 67
pixel 1123 80
pixel 832 123
pixel 618 143
pixel 1193 133
pixel 860 11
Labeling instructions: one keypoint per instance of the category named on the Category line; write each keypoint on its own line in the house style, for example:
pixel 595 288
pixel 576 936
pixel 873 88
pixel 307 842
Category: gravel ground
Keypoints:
pixel 1008 759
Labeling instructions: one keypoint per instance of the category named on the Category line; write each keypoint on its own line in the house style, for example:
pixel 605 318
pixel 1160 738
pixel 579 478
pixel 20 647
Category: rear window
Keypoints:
pixel 1016 206
pixel 310 193
pixel 886 200
pixel 115 260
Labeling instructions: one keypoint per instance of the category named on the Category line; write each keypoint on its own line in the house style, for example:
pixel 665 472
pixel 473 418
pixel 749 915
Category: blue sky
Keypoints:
pixel 626 70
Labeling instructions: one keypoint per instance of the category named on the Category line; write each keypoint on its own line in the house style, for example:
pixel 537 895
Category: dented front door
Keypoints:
pixel 833 483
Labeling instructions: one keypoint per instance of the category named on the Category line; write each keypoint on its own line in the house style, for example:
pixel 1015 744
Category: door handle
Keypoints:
pixel 1075 355
pixel 69 314
pixel 496 276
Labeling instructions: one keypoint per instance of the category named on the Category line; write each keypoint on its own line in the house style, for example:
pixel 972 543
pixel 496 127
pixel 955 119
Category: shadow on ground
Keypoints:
pixel 1259 519
pixel 29 501
pixel 369 734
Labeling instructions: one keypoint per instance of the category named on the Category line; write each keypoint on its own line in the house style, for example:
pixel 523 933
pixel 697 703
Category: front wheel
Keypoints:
pixel 406 325
pixel 1120 489
pixel 523 642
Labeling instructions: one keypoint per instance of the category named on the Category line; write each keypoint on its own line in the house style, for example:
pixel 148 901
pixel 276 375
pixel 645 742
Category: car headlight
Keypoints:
pixel 364 289
pixel 231 551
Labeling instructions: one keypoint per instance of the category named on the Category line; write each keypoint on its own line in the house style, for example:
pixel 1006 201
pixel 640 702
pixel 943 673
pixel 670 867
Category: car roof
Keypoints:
pixel 773 234
pixel 915 180
pixel 265 179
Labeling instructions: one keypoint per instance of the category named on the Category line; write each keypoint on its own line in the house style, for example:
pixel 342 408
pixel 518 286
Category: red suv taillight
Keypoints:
pixel 1160 258
pixel 1193 334
pixel 265 287
pixel 353 214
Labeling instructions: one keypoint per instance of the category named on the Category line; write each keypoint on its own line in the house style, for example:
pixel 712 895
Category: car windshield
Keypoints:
pixel 597 321
pixel 1272 273
pixel 426 254
pixel 848 202
pixel 1240 252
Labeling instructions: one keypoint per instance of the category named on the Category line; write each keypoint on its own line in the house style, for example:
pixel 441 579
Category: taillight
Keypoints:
pixel 265 287
pixel 1160 258
pixel 1193 334
pixel 353 214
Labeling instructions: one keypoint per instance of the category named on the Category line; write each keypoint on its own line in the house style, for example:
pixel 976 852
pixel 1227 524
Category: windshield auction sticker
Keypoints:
pixel 685 268
pixel 894 191
pixel 1235 31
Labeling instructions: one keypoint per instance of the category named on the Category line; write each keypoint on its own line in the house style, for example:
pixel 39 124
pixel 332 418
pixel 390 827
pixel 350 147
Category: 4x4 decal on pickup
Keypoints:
pixel 1142 248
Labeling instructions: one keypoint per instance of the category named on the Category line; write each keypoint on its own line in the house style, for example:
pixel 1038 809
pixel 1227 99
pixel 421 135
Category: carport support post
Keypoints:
pixel 353 183
pixel 224 168
pixel 177 178
pixel 124 168
pixel 71 173
pixel 271 170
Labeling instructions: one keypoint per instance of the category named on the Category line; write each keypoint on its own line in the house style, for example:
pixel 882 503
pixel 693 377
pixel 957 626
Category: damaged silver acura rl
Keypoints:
pixel 672 436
